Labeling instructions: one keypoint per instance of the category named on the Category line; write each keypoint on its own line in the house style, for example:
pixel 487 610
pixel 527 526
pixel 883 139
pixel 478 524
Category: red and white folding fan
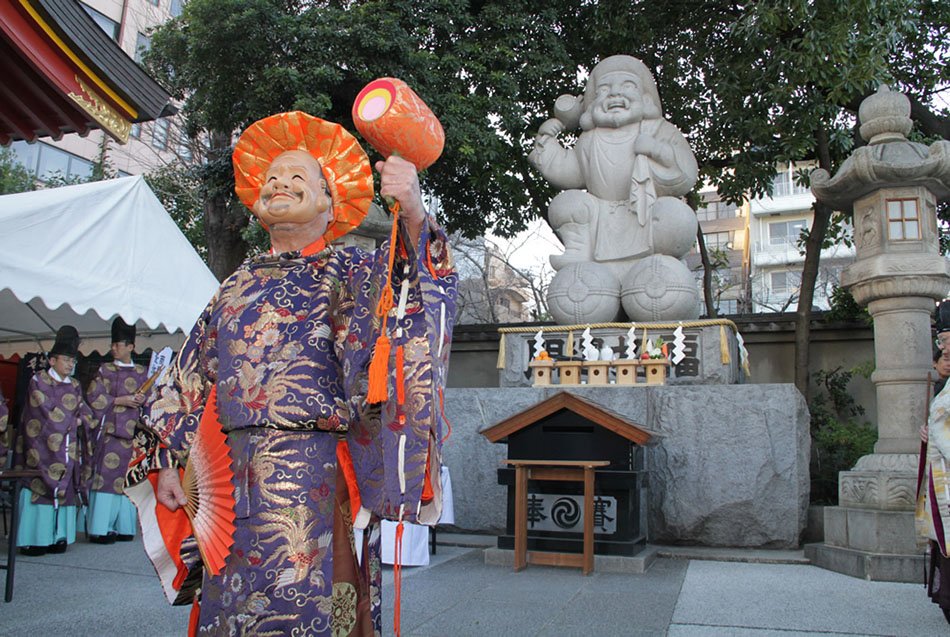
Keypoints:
pixel 210 492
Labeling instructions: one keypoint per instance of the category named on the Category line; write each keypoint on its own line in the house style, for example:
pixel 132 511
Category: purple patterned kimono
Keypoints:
pixel 287 340
pixel 113 443
pixel 55 421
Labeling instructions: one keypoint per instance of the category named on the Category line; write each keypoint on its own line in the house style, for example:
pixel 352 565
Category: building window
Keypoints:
pixel 786 233
pixel 26 154
pixel 785 282
pixel 142 44
pixel 47 161
pixel 184 148
pixel 176 7
pixel 107 24
pixel 903 220
pixel 718 240
pixel 713 210
pixel 136 131
pixel 728 306
pixel 160 134
pixel 784 184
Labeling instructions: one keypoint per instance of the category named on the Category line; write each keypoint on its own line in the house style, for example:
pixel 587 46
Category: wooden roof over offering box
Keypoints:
pixel 571 402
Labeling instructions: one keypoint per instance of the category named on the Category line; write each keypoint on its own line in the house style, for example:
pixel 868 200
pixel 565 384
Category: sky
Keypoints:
pixel 532 247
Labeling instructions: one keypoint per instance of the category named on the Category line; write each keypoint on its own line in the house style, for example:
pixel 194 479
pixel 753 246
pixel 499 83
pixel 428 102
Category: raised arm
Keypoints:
pixel 559 165
pixel 393 443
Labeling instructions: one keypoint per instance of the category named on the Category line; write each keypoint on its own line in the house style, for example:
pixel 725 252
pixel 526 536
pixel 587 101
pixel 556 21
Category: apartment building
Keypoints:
pixel 775 225
pixel 490 290
pixel 150 145
pixel 757 262
pixel 725 230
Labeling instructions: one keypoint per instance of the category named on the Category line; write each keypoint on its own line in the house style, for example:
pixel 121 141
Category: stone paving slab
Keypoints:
pixel 104 591
pixel 464 596
pixel 720 598
pixel 91 590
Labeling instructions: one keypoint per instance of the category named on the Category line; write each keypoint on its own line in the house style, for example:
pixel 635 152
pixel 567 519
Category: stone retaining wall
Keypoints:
pixel 730 467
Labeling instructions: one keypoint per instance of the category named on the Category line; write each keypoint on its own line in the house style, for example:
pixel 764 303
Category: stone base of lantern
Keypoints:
pixel 871 533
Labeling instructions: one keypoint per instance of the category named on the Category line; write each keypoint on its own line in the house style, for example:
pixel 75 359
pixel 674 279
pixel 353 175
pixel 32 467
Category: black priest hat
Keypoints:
pixel 122 332
pixel 67 342
pixel 943 317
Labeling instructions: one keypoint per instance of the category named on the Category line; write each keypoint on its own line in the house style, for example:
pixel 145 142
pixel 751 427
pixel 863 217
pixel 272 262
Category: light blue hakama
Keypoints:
pixel 44 524
pixel 111 513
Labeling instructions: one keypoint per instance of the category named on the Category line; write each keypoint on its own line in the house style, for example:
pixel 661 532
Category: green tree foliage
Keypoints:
pixel 749 83
pixel 486 69
pixel 13 176
pixel 845 308
pixel 840 436
pixel 179 190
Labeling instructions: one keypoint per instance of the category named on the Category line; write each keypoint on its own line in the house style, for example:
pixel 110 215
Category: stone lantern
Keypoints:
pixel 892 186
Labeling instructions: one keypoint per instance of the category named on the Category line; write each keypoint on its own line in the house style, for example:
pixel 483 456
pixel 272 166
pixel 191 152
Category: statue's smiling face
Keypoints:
pixel 618 100
pixel 294 191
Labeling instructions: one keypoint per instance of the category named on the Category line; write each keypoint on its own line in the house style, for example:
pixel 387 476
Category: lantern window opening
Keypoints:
pixel 903 219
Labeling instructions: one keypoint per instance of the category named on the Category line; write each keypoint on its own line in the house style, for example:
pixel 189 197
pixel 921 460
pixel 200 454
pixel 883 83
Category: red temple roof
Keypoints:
pixel 62 74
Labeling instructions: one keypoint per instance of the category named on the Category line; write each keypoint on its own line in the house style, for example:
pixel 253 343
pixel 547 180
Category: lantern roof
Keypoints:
pixel 889 160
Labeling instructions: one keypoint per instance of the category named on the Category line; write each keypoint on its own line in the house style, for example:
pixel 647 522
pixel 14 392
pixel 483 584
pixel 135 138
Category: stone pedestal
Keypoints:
pixel 730 468
pixel 871 533
pixel 892 186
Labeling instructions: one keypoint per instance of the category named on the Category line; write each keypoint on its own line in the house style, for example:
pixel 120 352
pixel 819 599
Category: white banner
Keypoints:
pixel 556 512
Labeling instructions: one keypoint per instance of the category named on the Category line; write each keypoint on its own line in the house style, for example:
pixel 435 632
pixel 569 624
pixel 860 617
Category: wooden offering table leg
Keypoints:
pixel 588 520
pixel 578 471
pixel 521 517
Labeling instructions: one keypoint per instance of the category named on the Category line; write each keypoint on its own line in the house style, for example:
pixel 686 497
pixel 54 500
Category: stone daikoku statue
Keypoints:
pixel 619 216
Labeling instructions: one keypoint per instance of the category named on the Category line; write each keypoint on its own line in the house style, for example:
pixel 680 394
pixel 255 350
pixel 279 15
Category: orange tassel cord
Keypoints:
pixel 193 618
pixel 427 492
pixel 397 579
pixel 345 460
pixel 379 366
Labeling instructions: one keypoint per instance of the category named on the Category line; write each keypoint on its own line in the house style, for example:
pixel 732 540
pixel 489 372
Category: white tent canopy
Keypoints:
pixel 81 255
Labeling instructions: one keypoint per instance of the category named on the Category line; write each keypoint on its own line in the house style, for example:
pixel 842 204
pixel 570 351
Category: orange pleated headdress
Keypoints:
pixel 344 163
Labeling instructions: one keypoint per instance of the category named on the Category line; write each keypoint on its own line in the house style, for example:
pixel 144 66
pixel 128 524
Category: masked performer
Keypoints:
pixel 55 421
pixel 287 343
pixel 114 397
